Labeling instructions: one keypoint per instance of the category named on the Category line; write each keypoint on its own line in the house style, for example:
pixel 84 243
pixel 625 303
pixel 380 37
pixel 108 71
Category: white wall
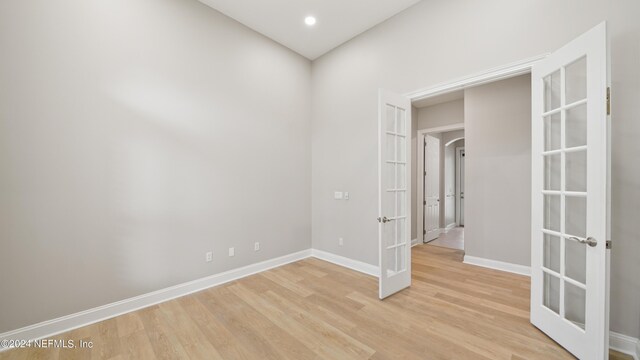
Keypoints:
pixel 447 113
pixel 498 171
pixel 460 38
pixel 135 135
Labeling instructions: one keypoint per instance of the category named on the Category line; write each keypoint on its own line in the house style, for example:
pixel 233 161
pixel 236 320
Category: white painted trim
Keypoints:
pixel 498 73
pixel 624 344
pixel 69 322
pixel 346 262
pixel 441 129
pixel 498 265
pixel 450 226
pixel 414 242
pixel 453 140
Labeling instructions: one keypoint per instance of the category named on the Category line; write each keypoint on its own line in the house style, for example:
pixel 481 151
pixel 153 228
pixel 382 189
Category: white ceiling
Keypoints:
pixel 283 20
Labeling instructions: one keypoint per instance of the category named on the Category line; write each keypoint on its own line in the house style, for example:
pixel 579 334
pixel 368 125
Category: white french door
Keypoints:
pixel 394 181
pixel 431 187
pixel 569 266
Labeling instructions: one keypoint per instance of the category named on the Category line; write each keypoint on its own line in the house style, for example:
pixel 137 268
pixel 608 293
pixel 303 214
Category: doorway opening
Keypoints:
pixel 439 174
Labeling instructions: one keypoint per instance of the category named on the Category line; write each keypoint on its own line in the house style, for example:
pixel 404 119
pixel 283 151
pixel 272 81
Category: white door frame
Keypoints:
pixel 420 172
pixel 491 75
pixel 459 151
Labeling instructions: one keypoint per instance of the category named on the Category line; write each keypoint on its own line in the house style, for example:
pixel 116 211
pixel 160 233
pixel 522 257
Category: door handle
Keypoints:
pixel 589 241
pixel 384 219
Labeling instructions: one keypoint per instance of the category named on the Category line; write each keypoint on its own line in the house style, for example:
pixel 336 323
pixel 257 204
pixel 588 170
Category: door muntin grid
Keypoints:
pixel 395 194
pixel 565 191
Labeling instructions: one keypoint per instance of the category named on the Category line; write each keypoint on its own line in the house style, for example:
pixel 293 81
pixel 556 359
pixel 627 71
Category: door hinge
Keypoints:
pixel 608 101
pixel 424 232
pixel 608 244
pixel 424 202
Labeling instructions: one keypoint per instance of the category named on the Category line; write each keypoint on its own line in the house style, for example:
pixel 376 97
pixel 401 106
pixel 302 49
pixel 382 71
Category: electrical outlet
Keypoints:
pixel 346 195
pixel 232 251
pixel 256 246
pixel 340 241
pixel 208 256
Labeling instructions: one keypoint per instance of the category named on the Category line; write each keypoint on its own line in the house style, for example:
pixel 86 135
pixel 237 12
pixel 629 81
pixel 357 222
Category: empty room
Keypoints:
pixel 304 179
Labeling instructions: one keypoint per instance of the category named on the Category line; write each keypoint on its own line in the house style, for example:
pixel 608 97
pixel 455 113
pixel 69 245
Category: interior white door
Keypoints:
pixel 461 161
pixel 431 187
pixel 569 266
pixel 394 180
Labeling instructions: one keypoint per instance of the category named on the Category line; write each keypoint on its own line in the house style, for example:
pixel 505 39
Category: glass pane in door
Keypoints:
pixel 402 149
pixel 552 136
pixel 402 203
pixel 574 304
pixel 402 177
pixel 552 91
pixel 576 171
pixel 402 265
pixel 552 212
pixel 402 128
pixel 575 255
pixel 392 261
pixel 391 118
pixel 576 126
pixel 551 253
pixel 576 216
pixel 551 292
pixel 552 166
pixel 576 81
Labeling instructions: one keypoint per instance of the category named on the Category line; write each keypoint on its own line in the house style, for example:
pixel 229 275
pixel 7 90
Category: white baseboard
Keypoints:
pixel 346 262
pixel 498 265
pixel 414 242
pixel 63 324
pixel 450 226
pixel 624 344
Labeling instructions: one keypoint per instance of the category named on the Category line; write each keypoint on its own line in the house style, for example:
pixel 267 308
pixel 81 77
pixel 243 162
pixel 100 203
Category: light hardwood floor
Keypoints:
pixel 453 239
pixel 316 310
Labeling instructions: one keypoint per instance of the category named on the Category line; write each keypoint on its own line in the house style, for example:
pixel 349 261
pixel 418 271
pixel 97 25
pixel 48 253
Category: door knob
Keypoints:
pixel 384 219
pixel 589 241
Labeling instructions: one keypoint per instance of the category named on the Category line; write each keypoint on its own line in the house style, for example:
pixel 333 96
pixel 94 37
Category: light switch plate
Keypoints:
pixel 232 251
pixel 338 195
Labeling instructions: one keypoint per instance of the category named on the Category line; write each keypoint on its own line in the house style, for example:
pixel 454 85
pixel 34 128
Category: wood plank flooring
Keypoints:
pixel 452 238
pixel 316 310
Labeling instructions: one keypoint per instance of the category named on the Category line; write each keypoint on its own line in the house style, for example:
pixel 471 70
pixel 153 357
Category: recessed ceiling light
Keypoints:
pixel 310 20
